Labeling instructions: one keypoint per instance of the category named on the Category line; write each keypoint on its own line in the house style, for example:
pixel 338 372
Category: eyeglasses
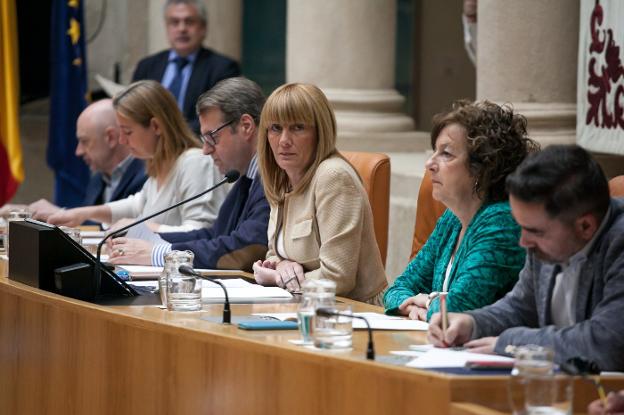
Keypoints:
pixel 211 138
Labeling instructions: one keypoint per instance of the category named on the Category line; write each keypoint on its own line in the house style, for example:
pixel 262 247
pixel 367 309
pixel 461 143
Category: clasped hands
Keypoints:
pixel 285 274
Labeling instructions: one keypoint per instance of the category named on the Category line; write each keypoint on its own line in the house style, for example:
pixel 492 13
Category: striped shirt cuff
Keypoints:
pixel 158 254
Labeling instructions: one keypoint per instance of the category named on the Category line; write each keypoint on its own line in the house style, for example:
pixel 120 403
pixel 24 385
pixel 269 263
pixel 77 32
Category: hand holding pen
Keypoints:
pixel 458 331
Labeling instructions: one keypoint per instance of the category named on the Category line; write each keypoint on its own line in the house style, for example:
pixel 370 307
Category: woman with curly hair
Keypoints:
pixel 473 253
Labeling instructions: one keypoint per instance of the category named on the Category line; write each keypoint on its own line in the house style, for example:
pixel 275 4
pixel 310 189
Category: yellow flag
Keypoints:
pixel 11 166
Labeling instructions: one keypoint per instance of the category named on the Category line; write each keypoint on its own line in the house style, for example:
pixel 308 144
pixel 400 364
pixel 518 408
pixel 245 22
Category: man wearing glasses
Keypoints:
pixel 229 115
pixel 187 69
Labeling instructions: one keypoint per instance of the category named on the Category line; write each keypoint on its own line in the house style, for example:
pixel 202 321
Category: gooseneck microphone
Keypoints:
pixel 230 177
pixel 188 270
pixel 328 312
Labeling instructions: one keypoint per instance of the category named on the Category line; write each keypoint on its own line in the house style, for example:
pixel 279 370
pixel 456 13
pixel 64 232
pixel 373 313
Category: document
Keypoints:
pixel 92 234
pixel 238 289
pixel 148 272
pixel 141 231
pixel 377 321
pixel 435 357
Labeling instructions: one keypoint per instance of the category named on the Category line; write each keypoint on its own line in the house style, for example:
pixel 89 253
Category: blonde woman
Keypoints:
pixel 321 223
pixel 152 126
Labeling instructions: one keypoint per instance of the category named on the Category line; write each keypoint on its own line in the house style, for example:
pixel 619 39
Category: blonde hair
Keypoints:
pixel 146 100
pixel 290 104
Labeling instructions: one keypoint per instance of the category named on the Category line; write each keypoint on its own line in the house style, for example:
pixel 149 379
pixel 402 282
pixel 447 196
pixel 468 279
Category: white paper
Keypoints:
pixel 92 234
pixel 91 241
pixel 238 289
pixel 377 321
pixel 150 271
pixel 410 353
pixel 141 231
pixel 229 284
pixel 438 357
pixel 244 293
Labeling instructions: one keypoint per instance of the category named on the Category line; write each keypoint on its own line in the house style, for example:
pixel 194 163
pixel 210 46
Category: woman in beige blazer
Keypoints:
pixel 321 224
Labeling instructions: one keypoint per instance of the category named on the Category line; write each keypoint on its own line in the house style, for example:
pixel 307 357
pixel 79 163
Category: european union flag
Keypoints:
pixel 68 90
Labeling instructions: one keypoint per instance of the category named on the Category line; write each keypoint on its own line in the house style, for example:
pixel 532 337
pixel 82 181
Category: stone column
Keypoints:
pixel 347 48
pixel 527 56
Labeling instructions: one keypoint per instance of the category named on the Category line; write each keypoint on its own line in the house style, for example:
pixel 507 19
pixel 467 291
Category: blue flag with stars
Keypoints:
pixel 68 97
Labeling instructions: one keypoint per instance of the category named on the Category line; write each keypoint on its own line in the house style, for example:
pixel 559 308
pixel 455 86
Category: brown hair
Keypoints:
pixel 497 143
pixel 294 103
pixel 145 100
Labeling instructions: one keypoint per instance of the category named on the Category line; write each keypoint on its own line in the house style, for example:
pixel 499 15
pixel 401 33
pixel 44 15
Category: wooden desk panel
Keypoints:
pixel 63 356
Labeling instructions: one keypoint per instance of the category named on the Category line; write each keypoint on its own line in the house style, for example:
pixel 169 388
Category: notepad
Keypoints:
pixel 439 357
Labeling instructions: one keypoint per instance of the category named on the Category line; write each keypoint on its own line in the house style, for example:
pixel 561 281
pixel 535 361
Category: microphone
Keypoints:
pixel 328 312
pixel 188 270
pixel 230 177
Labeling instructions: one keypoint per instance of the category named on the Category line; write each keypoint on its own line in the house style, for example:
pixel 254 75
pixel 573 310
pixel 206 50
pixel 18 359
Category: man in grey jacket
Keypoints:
pixel 570 294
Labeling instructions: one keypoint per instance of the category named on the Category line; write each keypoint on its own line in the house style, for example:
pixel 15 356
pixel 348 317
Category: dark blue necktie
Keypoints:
pixel 176 85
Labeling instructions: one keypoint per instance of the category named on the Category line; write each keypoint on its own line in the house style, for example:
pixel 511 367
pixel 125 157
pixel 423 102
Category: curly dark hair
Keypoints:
pixel 497 143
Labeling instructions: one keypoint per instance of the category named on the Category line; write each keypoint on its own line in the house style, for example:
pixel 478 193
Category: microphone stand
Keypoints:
pixel 230 177
pixel 328 312
pixel 227 314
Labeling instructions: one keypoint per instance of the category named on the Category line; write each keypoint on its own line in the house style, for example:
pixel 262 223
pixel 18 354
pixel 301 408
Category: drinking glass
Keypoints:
pixel 534 389
pixel 336 331
pixel 316 293
pixel 180 292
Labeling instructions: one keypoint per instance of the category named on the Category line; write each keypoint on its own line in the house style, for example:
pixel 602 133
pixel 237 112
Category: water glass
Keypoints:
pixel 179 292
pixel 183 293
pixel 534 389
pixel 73 233
pixel 316 293
pixel 305 320
pixel 334 332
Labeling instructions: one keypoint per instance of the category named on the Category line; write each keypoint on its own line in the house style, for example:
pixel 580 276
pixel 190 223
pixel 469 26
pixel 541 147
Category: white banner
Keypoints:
pixel 600 89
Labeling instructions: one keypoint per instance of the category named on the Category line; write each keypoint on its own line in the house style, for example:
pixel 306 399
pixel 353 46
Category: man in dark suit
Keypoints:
pixel 229 114
pixel 187 69
pixel 116 174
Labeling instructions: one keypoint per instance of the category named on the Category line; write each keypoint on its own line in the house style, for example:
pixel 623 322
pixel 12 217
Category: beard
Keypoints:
pixel 543 257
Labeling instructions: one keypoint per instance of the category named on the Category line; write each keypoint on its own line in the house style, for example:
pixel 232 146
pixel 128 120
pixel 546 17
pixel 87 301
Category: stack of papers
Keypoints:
pixel 433 357
pixel 145 272
pixel 377 321
pixel 238 289
pixel 93 234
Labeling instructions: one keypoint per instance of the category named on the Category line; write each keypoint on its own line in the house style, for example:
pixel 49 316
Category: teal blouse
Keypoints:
pixel 485 267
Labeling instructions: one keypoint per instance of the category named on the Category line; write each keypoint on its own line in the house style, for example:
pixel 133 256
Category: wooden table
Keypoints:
pixel 64 356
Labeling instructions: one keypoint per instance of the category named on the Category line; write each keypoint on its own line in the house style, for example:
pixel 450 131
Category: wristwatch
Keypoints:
pixel 430 298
